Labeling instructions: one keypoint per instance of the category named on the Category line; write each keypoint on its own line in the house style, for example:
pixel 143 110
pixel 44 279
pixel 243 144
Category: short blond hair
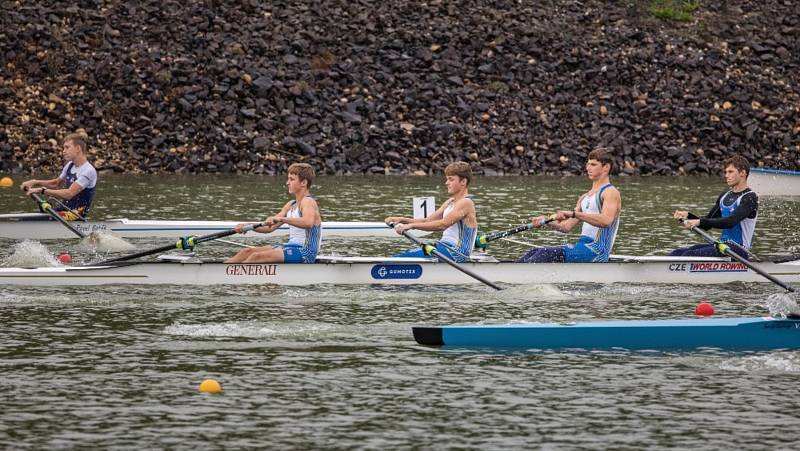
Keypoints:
pixel 303 171
pixel 79 139
pixel 459 169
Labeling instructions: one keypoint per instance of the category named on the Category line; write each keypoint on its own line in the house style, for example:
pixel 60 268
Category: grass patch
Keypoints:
pixel 674 10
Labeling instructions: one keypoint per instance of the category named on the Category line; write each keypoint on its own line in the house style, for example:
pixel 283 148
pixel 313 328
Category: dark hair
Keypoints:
pixel 303 171
pixel 739 162
pixel 603 156
pixel 459 169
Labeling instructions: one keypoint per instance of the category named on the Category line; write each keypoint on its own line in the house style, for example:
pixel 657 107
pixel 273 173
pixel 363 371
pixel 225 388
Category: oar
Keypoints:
pixel 725 249
pixel 430 249
pixel 44 205
pixel 482 240
pixel 186 243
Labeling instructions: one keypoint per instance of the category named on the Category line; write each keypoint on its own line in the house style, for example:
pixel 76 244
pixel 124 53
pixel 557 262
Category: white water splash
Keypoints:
pixel 787 362
pixel 30 254
pixel 248 329
pixel 781 305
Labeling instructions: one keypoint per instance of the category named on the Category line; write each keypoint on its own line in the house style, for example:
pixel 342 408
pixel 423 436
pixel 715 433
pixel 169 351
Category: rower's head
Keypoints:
pixel 599 164
pixel 458 175
pixel 74 146
pixel 736 170
pixel 300 176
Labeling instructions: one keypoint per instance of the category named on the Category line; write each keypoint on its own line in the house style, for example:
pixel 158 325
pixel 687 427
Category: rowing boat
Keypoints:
pixel 774 182
pixel 401 271
pixel 41 226
pixel 723 333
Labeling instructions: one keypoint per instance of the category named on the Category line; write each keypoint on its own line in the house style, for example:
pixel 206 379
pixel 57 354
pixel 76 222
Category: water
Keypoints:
pixel 337 367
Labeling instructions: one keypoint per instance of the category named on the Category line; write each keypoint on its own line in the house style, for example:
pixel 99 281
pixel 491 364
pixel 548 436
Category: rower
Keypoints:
pixel 304 221
pixel 456 217
pixel 75 185
pixel 735 212
pixel 598 209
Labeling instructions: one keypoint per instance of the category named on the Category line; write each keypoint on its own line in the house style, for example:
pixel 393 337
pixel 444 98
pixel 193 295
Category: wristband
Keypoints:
pixel 573 213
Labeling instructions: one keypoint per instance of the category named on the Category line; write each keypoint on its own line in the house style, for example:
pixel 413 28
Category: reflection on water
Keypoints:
pixel 336 366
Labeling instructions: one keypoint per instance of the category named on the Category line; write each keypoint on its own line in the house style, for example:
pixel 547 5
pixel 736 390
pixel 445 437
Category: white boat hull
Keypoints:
pixel 402 271
pixel 773 182
pixel 40 226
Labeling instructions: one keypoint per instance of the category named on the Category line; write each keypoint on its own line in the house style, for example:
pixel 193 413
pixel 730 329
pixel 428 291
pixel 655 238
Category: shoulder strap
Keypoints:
pixel 600 195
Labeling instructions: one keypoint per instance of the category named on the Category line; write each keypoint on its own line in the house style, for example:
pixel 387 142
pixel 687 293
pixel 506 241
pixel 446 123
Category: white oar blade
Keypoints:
pixel 104 242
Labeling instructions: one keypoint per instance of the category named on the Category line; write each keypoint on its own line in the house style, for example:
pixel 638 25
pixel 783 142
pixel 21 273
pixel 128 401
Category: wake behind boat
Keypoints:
pixel 40 226
pixel 403 271
pixel 724 333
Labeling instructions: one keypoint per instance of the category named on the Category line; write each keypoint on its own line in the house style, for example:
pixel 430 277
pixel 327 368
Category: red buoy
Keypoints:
pixel 65 258
pixel 704 309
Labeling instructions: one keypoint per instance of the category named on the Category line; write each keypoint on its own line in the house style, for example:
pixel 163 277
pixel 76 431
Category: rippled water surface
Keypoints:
pixel 337 367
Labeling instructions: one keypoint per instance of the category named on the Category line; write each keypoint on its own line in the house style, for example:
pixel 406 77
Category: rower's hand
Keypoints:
pixel 400 228
pixel 679 214
pixel 32 191
pixel 538 221
pixel 239 228
pixel 25 186
pixel 393 220
pixel 563 215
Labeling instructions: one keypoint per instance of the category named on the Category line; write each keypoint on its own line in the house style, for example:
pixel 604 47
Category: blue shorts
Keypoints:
pixel 582 252
pixel 292 253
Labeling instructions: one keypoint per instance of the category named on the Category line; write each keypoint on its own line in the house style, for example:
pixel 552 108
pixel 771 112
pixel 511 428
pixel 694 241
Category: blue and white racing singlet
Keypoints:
pixel 308 240
pixel 459 237
pixel 595 243
pixel 86 176
pixel 741 233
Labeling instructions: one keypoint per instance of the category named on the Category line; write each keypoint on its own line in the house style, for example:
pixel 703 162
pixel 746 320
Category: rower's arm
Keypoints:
pixel 612 204
pixel 66 193
pixel 460 210
pixel 438 214
pixel 746 209
pixel 276 224
pixel 46 184
pixel 566 220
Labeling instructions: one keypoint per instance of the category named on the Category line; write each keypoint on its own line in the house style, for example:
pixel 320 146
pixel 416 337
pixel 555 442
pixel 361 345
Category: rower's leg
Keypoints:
pixel 245 254
pixel 270 255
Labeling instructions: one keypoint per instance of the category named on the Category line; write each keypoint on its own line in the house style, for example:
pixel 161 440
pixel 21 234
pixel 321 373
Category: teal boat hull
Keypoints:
pixel 724 333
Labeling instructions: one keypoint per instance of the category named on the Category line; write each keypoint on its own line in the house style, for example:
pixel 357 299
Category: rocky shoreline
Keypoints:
pixel 399 87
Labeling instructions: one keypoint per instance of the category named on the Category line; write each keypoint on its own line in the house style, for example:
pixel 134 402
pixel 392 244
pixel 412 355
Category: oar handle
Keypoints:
pixel 726 249
pixel 430 249
pixel 44 205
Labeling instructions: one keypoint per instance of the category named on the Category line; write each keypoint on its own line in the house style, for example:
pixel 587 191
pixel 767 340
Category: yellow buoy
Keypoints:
pixel 6 182
pixel 210 386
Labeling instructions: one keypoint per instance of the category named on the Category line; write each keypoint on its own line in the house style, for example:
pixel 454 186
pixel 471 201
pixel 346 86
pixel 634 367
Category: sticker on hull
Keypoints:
pixel 386 272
